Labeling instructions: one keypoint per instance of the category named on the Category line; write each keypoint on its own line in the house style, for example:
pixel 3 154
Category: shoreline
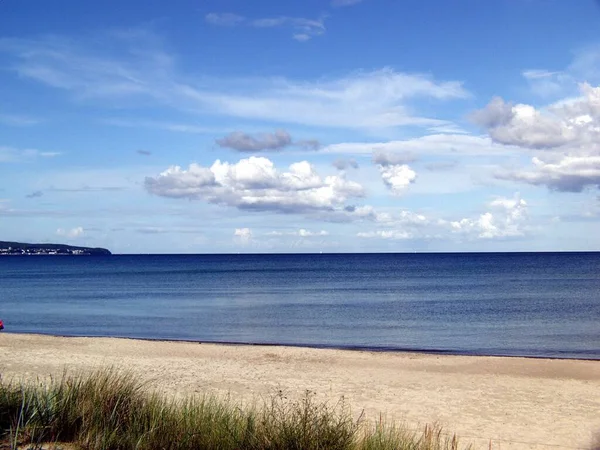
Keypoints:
pixel 350 348
pixel 512 402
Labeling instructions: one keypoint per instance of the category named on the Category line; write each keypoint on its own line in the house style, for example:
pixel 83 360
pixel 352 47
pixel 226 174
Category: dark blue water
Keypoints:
pixel 528 304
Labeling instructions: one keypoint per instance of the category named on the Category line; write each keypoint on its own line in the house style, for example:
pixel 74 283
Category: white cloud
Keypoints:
pixel 15 120
pixel 11 154
pixel 433 144
pixel 386 234
pixel 71 234
pixel 505 220
pixel 244 235
pixel 340 3
pixel 168 126
pixel 546 83
pixel 224 19
pixel 570 174
pixel 397 177
pixel 567 133
pixel 395 173
pixel 306 233
pixel 364 100
pixel 142 72
pixel 302 29
pixel 256 184
pixel 524 126
pixel 563 83
pixel 303 233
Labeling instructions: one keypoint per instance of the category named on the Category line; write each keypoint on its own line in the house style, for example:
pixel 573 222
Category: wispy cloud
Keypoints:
pixel 70 233
pixel 86 188
pixel 340 3
pixel 11 154
pixel 368 100
pixel 434 144
pixel 224 19
pixel 168 126
pixel 86 71
pixel 302 29
pixel 15 120
pixel 554 84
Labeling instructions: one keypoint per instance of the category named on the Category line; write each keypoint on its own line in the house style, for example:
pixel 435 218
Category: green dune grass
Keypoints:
pixel 112 410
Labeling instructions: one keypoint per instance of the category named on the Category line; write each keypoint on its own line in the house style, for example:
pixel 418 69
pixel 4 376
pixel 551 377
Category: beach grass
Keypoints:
pixel 113 410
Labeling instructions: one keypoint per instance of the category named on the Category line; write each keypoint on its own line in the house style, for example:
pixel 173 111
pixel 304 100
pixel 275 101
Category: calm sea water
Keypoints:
pixel 533 304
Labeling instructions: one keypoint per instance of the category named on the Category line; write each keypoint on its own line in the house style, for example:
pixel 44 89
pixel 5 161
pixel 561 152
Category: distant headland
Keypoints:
pixel 19 248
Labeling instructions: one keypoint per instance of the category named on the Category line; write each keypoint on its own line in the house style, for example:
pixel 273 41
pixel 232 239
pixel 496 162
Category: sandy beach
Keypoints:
pixel 512 402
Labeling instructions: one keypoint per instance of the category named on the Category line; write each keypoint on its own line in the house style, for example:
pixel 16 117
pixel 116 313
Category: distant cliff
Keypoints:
pixel 19 248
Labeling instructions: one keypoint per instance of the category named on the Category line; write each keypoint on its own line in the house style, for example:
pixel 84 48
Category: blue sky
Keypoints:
pixel 223 126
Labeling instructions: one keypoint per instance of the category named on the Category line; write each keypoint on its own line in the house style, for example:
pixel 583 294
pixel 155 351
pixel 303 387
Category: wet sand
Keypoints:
pixel 512 402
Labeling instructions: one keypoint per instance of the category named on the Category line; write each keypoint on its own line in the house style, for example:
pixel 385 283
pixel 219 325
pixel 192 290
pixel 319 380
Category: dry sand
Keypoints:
pixel 514 402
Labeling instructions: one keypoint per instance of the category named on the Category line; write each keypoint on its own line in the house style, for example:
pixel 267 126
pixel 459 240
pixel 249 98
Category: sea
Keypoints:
pixel 509 304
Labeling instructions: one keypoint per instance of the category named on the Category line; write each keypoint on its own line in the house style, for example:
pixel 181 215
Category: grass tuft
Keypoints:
pixel 112 410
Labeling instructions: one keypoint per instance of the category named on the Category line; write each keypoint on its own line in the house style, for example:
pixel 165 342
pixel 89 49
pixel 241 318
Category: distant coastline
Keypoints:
pixel 24 249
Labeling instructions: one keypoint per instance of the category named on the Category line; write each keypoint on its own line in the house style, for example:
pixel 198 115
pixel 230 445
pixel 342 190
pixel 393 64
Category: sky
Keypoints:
pixel 226 126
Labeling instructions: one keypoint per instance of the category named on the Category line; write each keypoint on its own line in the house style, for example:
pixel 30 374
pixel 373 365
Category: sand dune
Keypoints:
pixel 514 402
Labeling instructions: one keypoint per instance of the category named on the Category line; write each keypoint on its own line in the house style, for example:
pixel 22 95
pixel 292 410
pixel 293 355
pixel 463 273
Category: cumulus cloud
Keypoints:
pixel 563 124
pixel 570 174
pixel 72 233
pixel 255 184
pixel 505 220
pixel 395 173
pixel 276 141
pixel 244 235
pixel 567 133
pixel 523 125
pixel 397 177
